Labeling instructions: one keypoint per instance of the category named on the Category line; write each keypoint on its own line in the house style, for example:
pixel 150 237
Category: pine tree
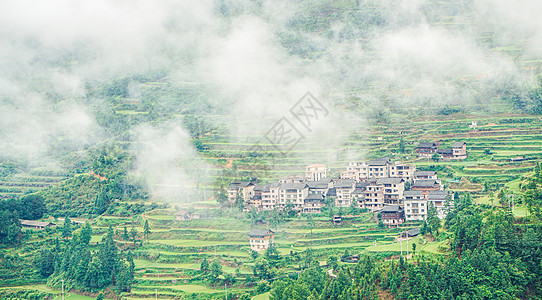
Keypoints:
pixel 101 203
pixel 66 230
pixel 133 234
pixel 108 255
pixel 86 234
pixel 401 145
pixel 125 234
pixel 146 229
pixel 204 268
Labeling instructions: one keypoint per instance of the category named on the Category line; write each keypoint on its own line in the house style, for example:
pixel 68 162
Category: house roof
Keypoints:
pixel 458 144
pixel 445 151
pixel 437 195
pixel 239 184
pixel 317 184
pixel 244 184
pixel 391 209
pixel 425 173
pixel 260 232
pixel 412 231
pixel 293 186
pixel 358 191
pixel 426 145
pixel 35 223
pixel 362 185
pixel 426 183
pixel 412 193
pixel 379 162
pixel 390 180
pixel 331 192
pixel 315 198
pixel 265 187
pixel 345 183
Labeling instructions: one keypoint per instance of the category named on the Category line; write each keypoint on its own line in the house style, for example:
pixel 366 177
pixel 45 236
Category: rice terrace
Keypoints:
pixel 271 150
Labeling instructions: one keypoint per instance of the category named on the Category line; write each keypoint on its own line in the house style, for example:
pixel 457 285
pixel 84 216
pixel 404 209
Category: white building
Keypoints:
pixel 315 172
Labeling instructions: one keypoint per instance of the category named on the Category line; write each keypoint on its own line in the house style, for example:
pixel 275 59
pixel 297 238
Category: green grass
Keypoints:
pixel 199 243
pixel 142 264
pixel 396 247
pixel 264 296
pixel 72 296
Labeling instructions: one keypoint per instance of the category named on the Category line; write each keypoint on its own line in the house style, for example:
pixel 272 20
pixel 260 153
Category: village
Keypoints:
pixel 394 191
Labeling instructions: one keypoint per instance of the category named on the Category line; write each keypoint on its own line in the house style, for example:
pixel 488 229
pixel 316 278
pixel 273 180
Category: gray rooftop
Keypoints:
pixel 426 183
pixel 425 173
pixel 437 195
pixel 317 184
pixel 379 162
pixel 458 144
pixel 239 184
pixel 445 151
pixel 358 191
pixel 316 197
pixel 413 193
pixel 293 186
pixel 413 231
pixel 427 145
pixel 35 223
pixel 345 183
pixel 390 180
pixel 391 209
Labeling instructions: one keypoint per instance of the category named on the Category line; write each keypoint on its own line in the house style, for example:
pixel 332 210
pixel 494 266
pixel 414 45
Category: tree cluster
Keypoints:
pixel 84 269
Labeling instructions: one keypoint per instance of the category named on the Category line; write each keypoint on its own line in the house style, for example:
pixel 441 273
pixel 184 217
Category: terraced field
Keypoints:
pixel 491 147
pixel 169 261
pixel 18 184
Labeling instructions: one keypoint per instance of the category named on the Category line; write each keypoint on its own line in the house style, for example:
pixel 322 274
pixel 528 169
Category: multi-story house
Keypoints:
pixel 378 168
pixel 415 205
pixel 315 172
pixel 269 196
pixel 440 199
pixel 426 149
pixel 260 239
pixel 392 215
pixel 369 195
pixel 393 189
pixel 459 150
pixel 344 189
pixel 321 186
pixel 246 189
pixel 426 185
pixel 294 193
pixel 405 171
pixel 314 203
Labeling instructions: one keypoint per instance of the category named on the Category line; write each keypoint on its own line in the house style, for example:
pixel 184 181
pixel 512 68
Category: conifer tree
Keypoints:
pixel 86 234
pixel 66 230
pixel 146 229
